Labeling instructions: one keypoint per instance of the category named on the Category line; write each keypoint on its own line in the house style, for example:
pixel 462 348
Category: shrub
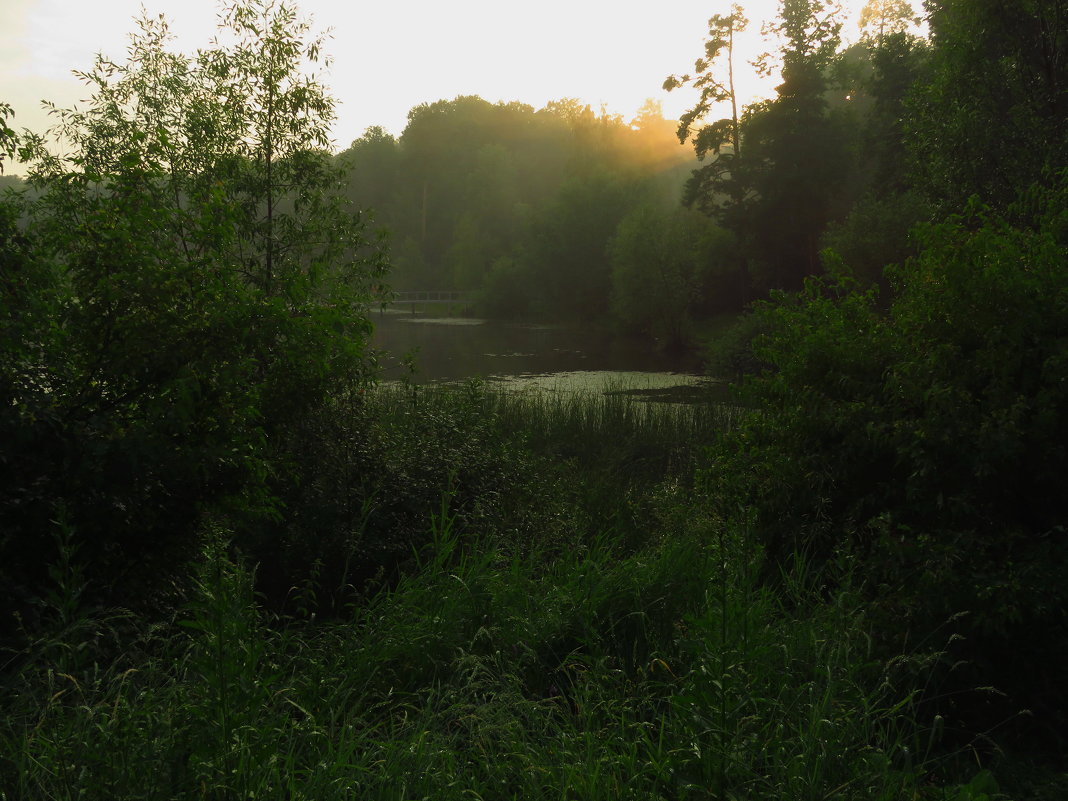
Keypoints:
pixel 929 440
pixel 194 287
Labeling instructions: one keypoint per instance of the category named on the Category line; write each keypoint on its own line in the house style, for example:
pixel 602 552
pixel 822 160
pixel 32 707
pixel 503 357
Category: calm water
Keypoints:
pixel 523 355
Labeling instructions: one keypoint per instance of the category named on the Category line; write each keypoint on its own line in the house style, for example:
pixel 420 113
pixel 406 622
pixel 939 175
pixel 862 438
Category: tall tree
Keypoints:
pixel 211 290
pixel 882 18
pixel 992 112
pixel 897 60
pixel 718 187
pixel 776 170
pixel 797 148
pixel 880 72
pixel 722 186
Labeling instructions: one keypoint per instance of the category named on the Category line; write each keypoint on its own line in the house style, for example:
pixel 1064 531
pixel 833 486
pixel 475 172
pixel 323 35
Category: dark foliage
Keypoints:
pixel 184 288
pixel 928 444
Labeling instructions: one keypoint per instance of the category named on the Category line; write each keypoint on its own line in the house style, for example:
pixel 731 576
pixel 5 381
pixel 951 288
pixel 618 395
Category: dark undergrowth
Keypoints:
pixel 567 621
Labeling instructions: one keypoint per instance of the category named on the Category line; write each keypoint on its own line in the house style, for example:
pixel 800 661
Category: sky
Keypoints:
pixel 391 56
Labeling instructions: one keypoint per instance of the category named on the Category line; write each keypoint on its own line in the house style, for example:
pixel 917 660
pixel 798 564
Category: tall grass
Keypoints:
pixel 606 678
pixel 620 667
pixel 613 429
pixel 593 462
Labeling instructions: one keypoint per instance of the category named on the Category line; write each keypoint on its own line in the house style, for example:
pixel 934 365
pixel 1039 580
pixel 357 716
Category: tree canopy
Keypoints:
pixel 187 285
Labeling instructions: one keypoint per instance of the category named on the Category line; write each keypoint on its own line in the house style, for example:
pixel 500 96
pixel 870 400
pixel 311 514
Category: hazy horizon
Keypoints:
pixel 388 59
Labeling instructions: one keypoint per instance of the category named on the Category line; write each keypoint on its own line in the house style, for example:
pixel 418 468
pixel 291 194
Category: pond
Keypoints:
pixel 549 357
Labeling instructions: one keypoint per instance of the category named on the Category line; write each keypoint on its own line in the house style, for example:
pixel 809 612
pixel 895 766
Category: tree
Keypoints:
pixel 464 158
pixel 990 113
pixel 9 139
pixel 567 246
pixel 722 187
pixel 875 232
pixel 777 169
pixel 809 32
pixel 719 186
pixel 897 61
pixel 882 18
pixel 798 148
pixel 212 291
pixel 664 264
pixel 371 164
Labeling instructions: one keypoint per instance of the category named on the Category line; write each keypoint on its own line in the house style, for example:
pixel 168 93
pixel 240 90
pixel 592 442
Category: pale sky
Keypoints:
pixel 391 56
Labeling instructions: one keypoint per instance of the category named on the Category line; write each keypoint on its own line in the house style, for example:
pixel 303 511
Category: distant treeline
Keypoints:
pixel 539 212
pixel 564 213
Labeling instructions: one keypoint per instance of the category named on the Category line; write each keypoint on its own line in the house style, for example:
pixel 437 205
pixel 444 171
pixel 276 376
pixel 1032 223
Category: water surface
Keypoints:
pixel 532 356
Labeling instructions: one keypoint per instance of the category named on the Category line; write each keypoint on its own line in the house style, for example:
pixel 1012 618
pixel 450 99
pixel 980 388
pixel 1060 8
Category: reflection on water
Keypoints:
pixel 454 348
pixel 555 358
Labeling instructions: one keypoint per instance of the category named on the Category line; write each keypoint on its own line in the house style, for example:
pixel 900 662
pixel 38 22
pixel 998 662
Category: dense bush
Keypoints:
pixel 929 441
pixel 182 290
pixel 876 233
pixel 370 471
pixel 598 675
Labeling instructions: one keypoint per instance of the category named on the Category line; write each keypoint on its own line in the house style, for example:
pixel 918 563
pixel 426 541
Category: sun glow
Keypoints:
pixel 389 58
